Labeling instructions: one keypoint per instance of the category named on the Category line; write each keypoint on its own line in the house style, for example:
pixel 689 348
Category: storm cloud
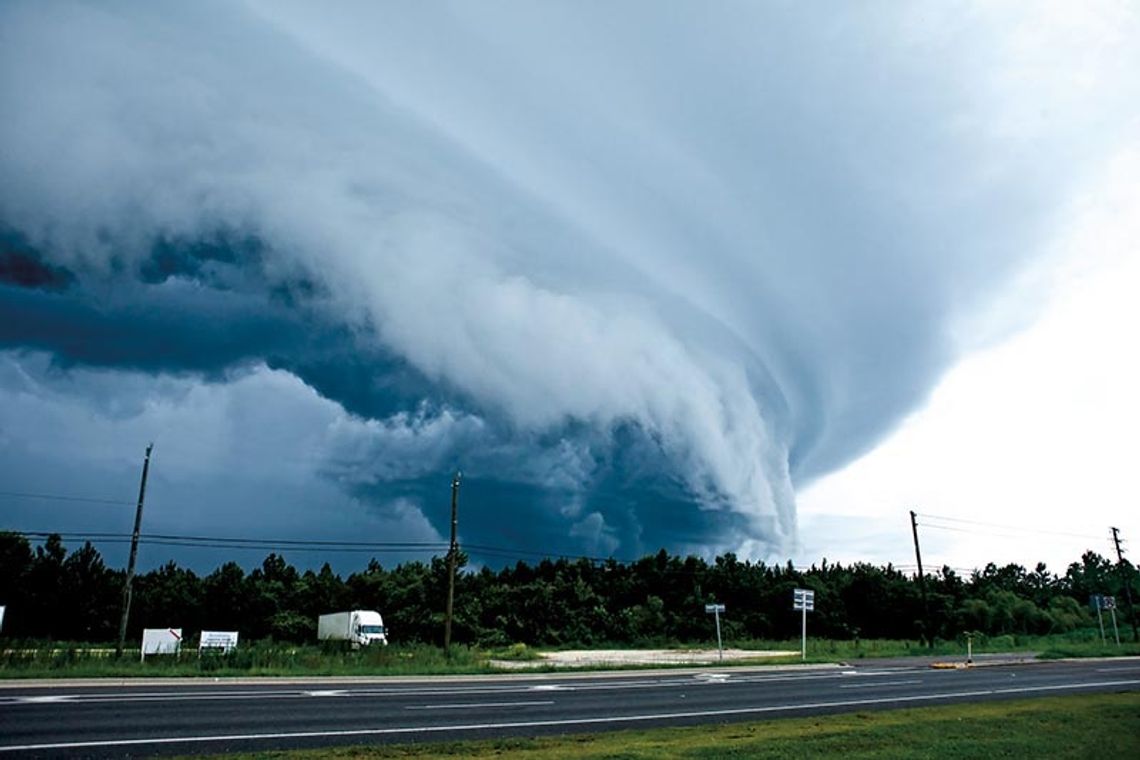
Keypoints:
pixel 640 271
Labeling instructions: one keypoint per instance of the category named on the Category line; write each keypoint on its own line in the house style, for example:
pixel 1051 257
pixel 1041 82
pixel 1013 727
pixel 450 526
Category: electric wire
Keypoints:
pixel 61 497
pixel 1019 529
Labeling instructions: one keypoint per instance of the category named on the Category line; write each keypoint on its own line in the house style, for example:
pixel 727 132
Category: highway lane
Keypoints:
pixel 205 716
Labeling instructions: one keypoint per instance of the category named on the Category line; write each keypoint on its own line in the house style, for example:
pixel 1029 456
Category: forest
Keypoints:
pixel 51 593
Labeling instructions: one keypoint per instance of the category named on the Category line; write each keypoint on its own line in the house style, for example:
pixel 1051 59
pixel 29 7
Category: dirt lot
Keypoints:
pixel 578 658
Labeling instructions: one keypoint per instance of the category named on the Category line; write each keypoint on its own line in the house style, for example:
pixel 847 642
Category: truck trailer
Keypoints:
pixel 360 628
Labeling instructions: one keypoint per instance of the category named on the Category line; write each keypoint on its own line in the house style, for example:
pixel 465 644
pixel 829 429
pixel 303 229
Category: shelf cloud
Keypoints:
pixel 639 272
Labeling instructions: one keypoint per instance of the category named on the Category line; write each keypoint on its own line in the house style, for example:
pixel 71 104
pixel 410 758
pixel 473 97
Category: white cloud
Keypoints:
pixel 1037 433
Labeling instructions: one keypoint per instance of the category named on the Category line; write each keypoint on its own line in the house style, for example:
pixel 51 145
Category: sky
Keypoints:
pixel 740 277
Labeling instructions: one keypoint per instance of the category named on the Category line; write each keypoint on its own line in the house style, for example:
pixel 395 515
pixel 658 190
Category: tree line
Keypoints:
pixel 51 593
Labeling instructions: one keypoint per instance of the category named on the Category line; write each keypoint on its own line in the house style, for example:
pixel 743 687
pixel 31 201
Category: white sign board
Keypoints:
pixel 711 608
pixel 1 617
pixel 161 641
pixel 223 640
pixel 803 599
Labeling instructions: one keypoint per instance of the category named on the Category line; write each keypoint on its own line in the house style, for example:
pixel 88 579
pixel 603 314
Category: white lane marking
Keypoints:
pixel 551 687
pixel 428 691
pixel 882 672
pixel 473 705
pixel 46 699
pixel 258 695
pixel 174 697
pixel 711 677
pixel 877 684
pixel 1118 670
pixel 158 696
pixel 453 690
pixel 558 722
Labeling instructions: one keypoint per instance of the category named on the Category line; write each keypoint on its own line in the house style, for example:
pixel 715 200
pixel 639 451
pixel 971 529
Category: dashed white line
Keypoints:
pixel 47 699
pixel 473 705
pixel 877 684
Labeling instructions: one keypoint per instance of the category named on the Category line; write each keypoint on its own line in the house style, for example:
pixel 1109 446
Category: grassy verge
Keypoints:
pixel 64 660
pixel 260 659
pixel 1083 643
pixel 1056 727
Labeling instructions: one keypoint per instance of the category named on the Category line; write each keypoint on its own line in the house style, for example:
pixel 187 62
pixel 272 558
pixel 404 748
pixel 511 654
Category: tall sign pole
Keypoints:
pixel 451 558
pixel 803 600
pixel 716 609
pixel 133 556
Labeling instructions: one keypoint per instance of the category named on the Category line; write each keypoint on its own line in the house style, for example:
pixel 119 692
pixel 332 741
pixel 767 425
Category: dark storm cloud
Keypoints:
pixel 639 274
pixel 204 306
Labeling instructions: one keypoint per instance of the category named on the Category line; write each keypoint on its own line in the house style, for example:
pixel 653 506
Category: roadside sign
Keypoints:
pixel 2 617
pixel 711 608
pixel 223 640
pixel 161 641
pixel 803 600
pixel 1108 602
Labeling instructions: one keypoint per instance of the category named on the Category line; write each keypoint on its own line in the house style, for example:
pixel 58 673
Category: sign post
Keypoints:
pixel 804 601
pixel 1100 602
pixel 1094 602
pixel 1109 603
pixel 716 609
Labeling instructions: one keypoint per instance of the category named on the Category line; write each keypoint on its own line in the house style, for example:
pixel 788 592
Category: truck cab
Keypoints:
pixel 368 628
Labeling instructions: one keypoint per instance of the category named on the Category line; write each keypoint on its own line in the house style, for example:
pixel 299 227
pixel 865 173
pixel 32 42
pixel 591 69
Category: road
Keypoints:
pixel 196 716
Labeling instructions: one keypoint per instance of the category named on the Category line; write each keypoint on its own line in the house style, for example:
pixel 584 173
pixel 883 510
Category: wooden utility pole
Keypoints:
pixel 451 559
pixel 928 634
pixel 133 557
pixel 1127 578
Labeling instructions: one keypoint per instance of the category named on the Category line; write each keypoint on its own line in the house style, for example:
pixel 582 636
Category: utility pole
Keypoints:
pixel 1127 576
pixel 929 635
pixel 451 558
pixel 133 557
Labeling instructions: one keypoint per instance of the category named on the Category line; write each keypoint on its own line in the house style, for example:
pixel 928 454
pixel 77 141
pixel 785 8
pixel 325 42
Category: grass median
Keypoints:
pixel 1087 726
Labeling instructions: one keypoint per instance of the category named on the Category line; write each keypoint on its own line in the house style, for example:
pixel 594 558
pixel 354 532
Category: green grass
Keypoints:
pixel 1081 643
pixel 259 659
pixel 70 660
pixel 1087 726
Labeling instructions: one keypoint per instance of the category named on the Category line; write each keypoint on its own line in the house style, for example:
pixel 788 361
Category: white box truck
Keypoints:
pixel 357 627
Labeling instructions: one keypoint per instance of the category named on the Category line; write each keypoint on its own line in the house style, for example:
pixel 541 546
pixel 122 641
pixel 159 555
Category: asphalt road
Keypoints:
pixel 196 716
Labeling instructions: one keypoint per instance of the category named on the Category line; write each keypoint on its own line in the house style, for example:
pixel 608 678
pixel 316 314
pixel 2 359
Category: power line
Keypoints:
pixel 508 551
pixel 60 497
pixel 930 526
pixel 1018 528
pixel 237 542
